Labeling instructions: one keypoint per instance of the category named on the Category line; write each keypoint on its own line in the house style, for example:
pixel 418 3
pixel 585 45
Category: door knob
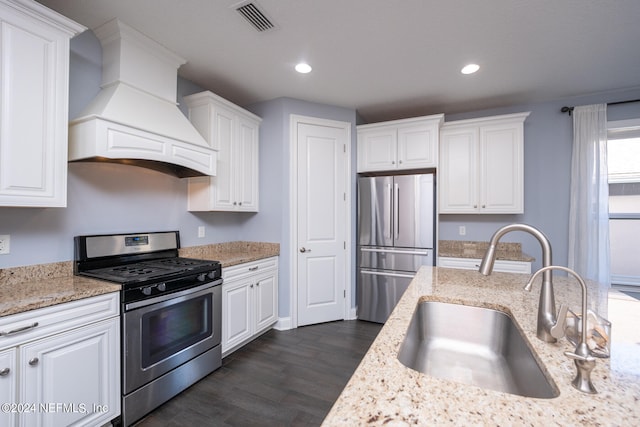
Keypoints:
pixel 303 249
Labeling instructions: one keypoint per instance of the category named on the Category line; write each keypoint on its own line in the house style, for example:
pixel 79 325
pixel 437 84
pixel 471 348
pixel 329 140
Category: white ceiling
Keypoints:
pixel 392 58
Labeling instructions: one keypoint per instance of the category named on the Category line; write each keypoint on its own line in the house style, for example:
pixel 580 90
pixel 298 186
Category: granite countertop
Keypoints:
pixel 42 285
pixel 232 253
pixel 384 391
pixel 472 249
pixel 37 286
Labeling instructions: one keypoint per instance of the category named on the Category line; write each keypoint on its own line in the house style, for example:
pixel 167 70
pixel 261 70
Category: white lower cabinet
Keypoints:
pixel 249 302
pixel 8 384
pixel 63 364
pixel 504 266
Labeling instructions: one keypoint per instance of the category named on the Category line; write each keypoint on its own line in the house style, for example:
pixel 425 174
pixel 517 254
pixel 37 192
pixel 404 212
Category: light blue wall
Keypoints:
pixel 548 138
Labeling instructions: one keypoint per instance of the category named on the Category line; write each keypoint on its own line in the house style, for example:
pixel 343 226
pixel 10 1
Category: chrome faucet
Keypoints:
pixel 548 329
pixel 583 360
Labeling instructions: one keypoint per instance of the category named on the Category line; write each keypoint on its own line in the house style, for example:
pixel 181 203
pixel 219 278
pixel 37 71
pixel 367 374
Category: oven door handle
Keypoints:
pixel 160 298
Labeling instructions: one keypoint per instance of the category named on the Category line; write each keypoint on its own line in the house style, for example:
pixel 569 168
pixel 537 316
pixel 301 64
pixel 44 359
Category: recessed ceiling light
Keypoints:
pixel 470 69
pixel 303 68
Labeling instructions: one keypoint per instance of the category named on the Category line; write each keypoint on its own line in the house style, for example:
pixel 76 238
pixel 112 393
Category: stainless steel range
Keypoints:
pixel 171 313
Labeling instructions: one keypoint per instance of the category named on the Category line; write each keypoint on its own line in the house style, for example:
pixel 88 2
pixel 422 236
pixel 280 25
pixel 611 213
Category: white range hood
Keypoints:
pixel 134 119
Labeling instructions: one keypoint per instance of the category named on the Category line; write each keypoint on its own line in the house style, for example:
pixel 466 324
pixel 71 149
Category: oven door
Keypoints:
pixel 162 333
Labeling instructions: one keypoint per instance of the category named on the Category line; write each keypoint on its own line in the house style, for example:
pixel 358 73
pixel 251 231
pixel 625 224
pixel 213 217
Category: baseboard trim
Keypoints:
pixel 283 324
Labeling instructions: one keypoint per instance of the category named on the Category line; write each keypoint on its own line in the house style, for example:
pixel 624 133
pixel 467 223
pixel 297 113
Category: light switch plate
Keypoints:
pixel 462 230
pixel 201 231
pixel 5 241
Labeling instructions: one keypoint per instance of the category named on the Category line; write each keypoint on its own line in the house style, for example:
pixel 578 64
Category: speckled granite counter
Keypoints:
pixel 232 253
pixel 476 250
pixel 43 285
pixel 36 286
pixel 383 391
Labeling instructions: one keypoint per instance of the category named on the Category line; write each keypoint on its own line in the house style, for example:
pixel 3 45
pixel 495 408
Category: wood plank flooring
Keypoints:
pixel 283 378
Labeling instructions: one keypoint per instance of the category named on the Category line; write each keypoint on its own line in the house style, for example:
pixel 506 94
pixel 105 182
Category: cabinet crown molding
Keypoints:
pixel 488 120
pixel 435 117
pixel 203 98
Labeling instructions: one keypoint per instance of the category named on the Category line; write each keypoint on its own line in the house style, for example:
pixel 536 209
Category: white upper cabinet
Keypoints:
pixel 34 97
pixel 482 165
pixel 399 144
pixel 234 133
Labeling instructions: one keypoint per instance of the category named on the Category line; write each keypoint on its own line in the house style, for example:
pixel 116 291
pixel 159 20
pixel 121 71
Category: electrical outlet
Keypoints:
pixel 201 231
pixel 5 240
pixel 462 230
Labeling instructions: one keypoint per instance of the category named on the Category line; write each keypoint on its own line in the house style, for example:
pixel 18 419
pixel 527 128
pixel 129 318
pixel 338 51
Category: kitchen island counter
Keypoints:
pixel 384 391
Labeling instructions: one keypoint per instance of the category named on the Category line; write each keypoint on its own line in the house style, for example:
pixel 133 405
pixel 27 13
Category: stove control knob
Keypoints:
pixel 212 275
pixel 162 287
pixel 202 277
pixel 146 291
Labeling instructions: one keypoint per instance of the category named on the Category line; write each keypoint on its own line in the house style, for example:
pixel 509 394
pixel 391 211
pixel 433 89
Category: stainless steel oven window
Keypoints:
pixel 171 329
pixel 136 341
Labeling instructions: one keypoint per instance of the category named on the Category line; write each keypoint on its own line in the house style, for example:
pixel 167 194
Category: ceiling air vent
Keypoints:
pixel 256 17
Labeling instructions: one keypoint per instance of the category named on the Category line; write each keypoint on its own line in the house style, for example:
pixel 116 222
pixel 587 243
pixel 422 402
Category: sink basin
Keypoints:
pixel 473 345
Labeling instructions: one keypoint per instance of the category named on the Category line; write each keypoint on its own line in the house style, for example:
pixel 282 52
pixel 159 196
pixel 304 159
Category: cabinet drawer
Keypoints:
pixel 20 328
pixel 250 268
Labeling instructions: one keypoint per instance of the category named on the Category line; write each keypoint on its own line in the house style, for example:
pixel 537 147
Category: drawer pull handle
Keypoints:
pixel 253 268
pixel 34 361
pixel 5 372
pixel 17 331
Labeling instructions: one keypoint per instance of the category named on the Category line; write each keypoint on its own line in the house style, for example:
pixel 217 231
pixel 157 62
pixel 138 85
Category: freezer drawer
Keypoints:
pixel 395 259
pixel 379 292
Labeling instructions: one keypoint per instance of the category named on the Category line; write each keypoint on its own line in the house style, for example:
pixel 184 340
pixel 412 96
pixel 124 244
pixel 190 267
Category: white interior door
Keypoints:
pixel 322 217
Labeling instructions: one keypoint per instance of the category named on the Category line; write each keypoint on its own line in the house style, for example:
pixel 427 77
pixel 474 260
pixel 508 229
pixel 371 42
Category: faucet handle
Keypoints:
pixel 581 358
pixel 558 329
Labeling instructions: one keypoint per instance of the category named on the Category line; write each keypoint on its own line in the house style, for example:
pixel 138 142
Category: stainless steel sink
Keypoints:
pixel 473 345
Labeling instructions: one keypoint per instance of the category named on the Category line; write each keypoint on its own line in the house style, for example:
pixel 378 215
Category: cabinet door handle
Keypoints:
pixel 254 268
pixel 5 372
pixel 251 285
pixel 17 331
pixel 34 361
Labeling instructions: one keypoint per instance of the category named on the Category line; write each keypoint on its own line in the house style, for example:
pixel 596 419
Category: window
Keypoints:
pixel 623 162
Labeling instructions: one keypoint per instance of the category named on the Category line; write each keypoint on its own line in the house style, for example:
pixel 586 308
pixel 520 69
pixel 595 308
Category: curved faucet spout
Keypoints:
pixel 547 305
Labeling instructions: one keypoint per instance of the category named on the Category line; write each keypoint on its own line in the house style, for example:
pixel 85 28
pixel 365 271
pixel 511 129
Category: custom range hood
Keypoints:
pixel 134 119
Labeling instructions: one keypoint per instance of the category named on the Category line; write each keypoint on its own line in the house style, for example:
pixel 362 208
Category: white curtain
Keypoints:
pixel 589 208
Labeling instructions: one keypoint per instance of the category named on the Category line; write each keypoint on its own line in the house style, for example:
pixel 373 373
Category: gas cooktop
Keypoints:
pixel 135 259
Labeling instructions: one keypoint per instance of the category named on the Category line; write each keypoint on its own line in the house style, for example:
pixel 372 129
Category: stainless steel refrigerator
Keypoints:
pixel 395 237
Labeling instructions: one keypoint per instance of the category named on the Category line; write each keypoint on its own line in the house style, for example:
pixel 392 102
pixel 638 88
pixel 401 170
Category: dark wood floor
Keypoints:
pixel 283 378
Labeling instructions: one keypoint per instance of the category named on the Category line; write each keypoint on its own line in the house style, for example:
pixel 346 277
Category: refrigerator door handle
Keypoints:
pixel 396 251
pixel 389 226
pixel 386 273
pixel 396 209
